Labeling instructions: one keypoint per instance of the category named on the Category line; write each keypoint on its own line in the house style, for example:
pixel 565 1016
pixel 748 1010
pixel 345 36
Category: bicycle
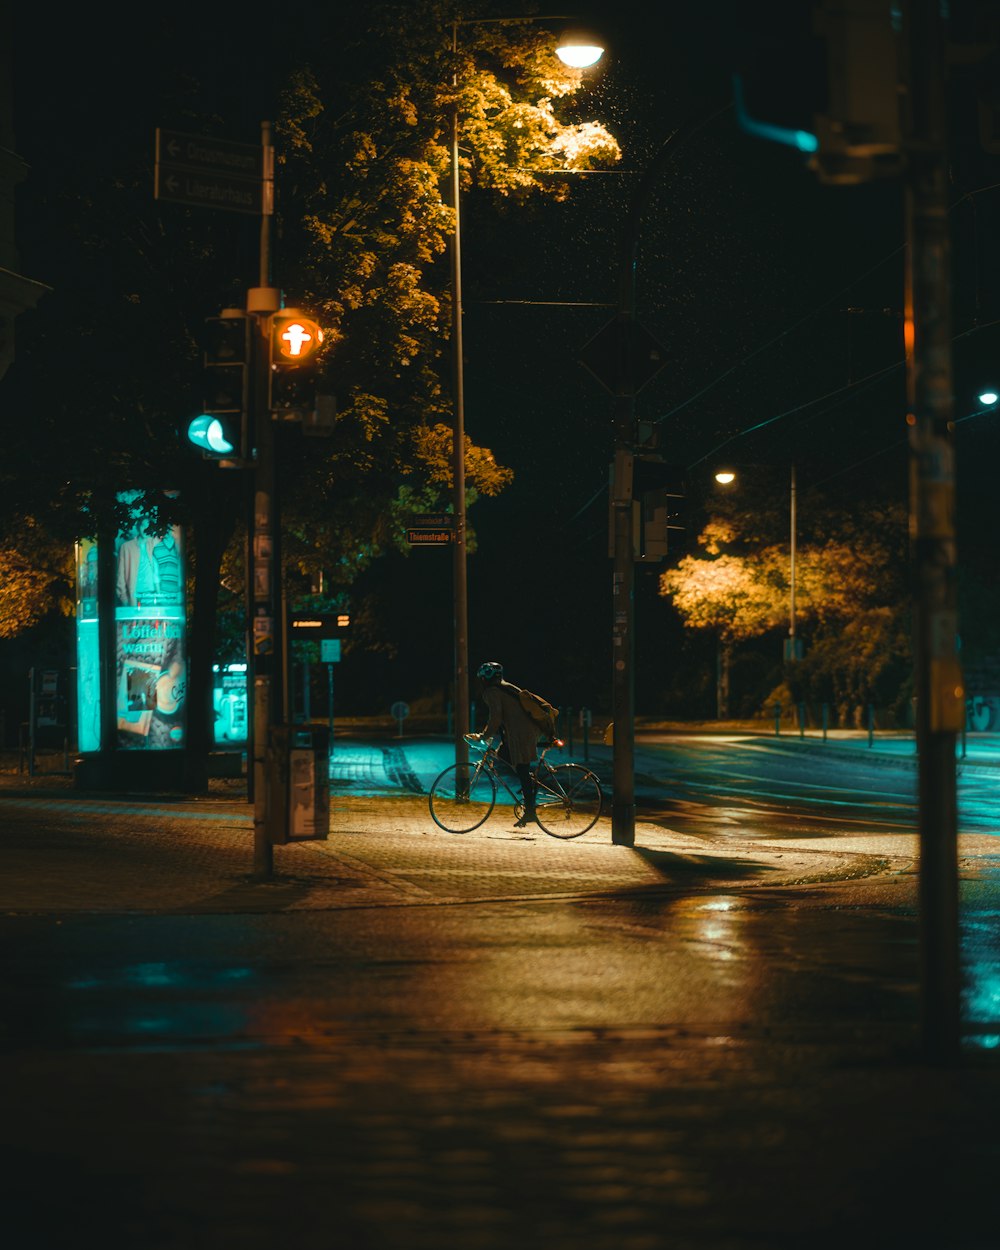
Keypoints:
pixel 568 798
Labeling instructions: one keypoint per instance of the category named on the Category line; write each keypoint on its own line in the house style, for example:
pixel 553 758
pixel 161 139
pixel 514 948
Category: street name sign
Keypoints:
pixel 432 520
pixel 209 173
pixel 429 537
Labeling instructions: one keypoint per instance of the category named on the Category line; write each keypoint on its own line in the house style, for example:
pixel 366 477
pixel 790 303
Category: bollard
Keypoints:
pixel 777 720
pixel 871 723
pixel 802 720
pixel 472 716
pixel 826 718
pixel 569 729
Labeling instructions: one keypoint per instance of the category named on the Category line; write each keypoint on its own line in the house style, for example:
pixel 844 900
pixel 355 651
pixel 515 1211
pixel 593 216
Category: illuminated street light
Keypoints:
pixel 725 477
pixel 579 49
pixel 988 398
pixel 569 46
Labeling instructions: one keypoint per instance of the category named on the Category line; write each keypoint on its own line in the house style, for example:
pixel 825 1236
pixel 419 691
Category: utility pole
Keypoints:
pixel 630 371
pixel 264 564
pixel 460 563
pixel 940 695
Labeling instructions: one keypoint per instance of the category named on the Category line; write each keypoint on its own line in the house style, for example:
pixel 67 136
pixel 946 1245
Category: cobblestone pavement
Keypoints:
pixel 67 852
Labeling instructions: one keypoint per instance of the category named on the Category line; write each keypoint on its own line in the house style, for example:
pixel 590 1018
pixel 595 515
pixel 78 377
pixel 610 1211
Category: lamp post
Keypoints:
pixel 578 49
pixel 726 477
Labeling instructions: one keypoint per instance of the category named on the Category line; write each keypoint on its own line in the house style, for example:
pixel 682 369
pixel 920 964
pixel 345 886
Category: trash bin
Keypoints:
pixel 298 792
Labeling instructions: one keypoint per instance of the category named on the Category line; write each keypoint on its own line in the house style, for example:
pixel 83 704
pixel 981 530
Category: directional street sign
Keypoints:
pixel 623 356
pixel 209 173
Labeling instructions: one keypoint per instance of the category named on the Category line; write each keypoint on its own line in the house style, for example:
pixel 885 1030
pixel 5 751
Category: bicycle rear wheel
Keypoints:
pixel 462 797
pixel 569 801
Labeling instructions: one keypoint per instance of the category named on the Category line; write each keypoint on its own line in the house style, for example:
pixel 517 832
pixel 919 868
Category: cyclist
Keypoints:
pixel 520 733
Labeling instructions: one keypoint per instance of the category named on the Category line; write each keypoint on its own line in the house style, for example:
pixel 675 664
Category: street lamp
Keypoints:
pixel 725 477
pixel 578 49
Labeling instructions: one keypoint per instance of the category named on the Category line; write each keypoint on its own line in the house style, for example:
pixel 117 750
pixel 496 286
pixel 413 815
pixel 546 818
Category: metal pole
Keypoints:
pixel 329 701
pixel 461 605
pixel 939 686
pixel 623 576
pixel 791 605
pixel 265 653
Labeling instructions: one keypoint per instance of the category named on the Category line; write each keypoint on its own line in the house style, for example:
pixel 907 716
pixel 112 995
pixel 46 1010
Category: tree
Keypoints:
pixel 362 232
pixel 850 599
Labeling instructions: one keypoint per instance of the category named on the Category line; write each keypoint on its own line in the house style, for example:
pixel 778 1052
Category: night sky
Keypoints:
pixel 767 290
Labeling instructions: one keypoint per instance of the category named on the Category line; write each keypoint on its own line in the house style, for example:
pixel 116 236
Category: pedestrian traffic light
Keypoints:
pixel 221 428
pixel 295 343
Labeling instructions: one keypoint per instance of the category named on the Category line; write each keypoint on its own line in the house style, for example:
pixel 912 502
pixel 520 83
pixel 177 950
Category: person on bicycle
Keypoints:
pixel 519 731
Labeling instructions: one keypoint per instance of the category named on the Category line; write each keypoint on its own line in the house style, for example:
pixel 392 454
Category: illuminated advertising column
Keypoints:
pixel 88 648
pixel 150 628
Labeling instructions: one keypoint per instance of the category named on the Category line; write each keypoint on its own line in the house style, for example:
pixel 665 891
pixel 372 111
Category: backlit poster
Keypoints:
pixel 148 601
pixel 88 648
pixel 150 633
pixel 229 700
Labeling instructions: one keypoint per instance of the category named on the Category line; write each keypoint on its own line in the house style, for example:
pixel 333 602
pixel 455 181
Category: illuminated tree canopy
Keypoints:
pixel 849 601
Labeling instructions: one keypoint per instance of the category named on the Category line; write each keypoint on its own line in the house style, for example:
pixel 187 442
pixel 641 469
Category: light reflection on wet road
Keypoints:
pixel 761 784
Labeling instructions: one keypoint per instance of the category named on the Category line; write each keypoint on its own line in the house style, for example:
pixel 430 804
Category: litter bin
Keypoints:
pixel 298 807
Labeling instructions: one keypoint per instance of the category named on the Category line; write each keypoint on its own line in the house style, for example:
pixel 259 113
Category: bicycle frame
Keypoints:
pixel 492 763
pixel 568 798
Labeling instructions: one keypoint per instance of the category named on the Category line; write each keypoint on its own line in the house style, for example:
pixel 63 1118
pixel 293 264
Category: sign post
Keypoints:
pixel 400 711
pixel 329 653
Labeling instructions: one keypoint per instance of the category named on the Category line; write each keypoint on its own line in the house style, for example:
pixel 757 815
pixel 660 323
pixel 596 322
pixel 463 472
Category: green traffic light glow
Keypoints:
pixel 803 140
pixel 207 432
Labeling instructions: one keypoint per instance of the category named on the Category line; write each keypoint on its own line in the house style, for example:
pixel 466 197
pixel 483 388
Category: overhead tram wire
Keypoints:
pixel 967 195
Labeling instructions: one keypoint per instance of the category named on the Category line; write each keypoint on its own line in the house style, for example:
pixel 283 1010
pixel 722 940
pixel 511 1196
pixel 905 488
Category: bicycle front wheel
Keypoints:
pixel 568 801
pixel 462 797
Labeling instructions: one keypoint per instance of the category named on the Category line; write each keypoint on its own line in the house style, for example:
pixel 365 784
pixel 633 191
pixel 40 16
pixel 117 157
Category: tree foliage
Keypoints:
pixel 363 191
pixel 850 602
pixel 360 237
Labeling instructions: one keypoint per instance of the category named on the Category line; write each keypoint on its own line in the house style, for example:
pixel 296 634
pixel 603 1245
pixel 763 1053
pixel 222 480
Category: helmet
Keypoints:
pixel 490 671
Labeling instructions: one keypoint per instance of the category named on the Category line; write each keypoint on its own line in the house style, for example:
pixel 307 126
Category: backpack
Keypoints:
pixel 543 714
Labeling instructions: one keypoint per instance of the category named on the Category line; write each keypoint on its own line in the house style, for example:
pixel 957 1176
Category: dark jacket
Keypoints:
pixel 519 730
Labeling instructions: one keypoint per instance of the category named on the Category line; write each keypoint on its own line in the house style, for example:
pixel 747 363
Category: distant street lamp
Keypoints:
pixel 578 49
pixel 725 477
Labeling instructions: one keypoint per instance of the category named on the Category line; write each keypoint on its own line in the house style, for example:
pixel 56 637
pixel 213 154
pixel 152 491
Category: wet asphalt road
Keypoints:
pixel 455 1061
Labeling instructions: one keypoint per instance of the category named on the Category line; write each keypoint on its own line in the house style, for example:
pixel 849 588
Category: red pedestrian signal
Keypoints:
pixel 295 338
pixel 295 343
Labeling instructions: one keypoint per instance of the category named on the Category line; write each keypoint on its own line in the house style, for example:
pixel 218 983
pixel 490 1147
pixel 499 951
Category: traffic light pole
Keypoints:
pixel 265 638
pixel 940 696
pixel 264 564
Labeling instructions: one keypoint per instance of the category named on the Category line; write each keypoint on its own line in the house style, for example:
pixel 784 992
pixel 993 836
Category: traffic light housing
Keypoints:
pixel 221 429
pixel 655 488
pixel 830 89
pixel 295 342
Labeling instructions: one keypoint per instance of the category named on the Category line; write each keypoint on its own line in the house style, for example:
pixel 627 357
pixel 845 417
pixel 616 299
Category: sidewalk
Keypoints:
pixel 77 851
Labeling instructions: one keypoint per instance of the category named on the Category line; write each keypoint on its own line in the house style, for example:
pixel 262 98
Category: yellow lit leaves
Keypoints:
pixel 29 590
pixel 433 449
